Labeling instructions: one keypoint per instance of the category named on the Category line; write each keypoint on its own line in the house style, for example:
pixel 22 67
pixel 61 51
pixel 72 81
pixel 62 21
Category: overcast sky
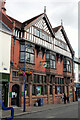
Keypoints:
pixel 67 10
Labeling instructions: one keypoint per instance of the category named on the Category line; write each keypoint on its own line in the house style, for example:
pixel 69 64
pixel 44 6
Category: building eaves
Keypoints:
pixel 5 28
pixel 32 19
pixel 67 40
pixel 6 20
pixel 56 28
pixel 18 24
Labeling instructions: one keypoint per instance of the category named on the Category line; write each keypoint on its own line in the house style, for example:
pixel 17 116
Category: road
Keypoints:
pixel 70 111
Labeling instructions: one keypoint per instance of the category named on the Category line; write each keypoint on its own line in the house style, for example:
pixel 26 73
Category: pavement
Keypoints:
pixel 31 109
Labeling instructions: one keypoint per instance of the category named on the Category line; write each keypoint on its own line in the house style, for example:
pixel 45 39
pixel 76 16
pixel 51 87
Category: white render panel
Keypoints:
pixel 5 48
pixel 42 25
pixel 76 72
pixel 59 35
pixel 61 51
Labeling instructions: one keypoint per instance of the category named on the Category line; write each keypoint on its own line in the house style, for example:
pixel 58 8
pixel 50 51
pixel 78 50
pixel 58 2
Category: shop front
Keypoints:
pixel 77 91
pixel 4 83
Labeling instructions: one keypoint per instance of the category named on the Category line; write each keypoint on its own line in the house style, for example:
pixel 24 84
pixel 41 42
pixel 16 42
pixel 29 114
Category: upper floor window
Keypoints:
pixel 43 35
pixel 29 54
pixel 66 65
pixel 36 32
pixel 51 60
pixel 61 44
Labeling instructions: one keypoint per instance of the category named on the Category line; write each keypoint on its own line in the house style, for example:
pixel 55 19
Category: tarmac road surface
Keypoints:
pixel 70 111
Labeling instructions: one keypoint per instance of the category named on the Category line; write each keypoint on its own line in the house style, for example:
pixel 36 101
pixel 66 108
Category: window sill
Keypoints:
pixel 27 63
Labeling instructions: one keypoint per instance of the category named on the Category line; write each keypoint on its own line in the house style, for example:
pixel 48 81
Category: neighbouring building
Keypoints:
pixel 77 77
pixel 49 62
pixel 5 48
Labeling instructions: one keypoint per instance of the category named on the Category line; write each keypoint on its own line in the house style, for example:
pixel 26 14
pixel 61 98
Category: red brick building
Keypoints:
pixel 49 62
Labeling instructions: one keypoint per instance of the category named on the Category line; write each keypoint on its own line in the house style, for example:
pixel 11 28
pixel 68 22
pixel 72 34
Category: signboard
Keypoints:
pixel 38 88
pixel 22 93
pixel 9 94
pixel 44 64
pixel 58 90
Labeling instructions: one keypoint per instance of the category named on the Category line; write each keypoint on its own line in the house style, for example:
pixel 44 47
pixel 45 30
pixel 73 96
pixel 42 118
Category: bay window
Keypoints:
pixel 66 65
pixel 29 54
pixel 51 61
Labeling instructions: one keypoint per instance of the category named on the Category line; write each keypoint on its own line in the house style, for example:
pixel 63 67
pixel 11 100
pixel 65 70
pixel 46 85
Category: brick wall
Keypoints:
pixel 59 67
pixel 38 65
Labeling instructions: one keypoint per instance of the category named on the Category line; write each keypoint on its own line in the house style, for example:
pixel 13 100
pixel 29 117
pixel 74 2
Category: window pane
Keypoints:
pixel 55 89
pixel 37 78
pixel 31 58
pixel 34 78
pixel 26 89
pixel 62 81
pixel 39 90
pixel 47 56
pixel 51 63
pixel 33 90
pixel 36 32
pixel 44 77
pixel 45 89
pixel 22 47
pixel 21 55
pixel 45 36
pixel 14 73
pixel 32 50
pixel 58 80
pixel 48 64
pixel 54 64
pixel 41 79
pixel 52 57
pixel 29 50
pixel 50 89
pixel 27 57
pixel 41 36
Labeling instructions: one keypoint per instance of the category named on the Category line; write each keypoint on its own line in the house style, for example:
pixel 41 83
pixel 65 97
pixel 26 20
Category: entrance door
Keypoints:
pixel 5 93
pixel 15 95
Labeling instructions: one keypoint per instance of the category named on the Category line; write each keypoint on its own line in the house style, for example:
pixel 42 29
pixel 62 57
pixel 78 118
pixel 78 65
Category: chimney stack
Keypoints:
pixel 3 6
pixel 45 9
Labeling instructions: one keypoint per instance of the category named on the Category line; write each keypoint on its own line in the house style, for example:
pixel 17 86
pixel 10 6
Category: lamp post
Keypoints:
pixel 24 108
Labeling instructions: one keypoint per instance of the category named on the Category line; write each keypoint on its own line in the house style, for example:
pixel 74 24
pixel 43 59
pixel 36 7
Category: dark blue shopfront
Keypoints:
pixel 77 91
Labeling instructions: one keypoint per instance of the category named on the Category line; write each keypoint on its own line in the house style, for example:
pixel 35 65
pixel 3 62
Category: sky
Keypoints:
pixel 67 10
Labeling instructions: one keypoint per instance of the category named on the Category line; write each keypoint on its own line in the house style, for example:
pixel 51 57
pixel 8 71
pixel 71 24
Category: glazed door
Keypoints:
pixel 15 95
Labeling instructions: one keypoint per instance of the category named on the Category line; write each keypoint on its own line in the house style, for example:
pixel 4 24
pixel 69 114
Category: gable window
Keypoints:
pixel 66 65
pixel 60 44
pixel 41 35
pixel 36 32
pixel 29 54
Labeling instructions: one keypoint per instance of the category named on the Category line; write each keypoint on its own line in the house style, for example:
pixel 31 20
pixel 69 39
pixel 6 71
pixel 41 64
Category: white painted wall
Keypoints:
pixel 76 72
pixel 5 47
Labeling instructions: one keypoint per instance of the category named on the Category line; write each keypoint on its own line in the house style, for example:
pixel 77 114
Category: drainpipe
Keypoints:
pixel 14 37
pixel 24 108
